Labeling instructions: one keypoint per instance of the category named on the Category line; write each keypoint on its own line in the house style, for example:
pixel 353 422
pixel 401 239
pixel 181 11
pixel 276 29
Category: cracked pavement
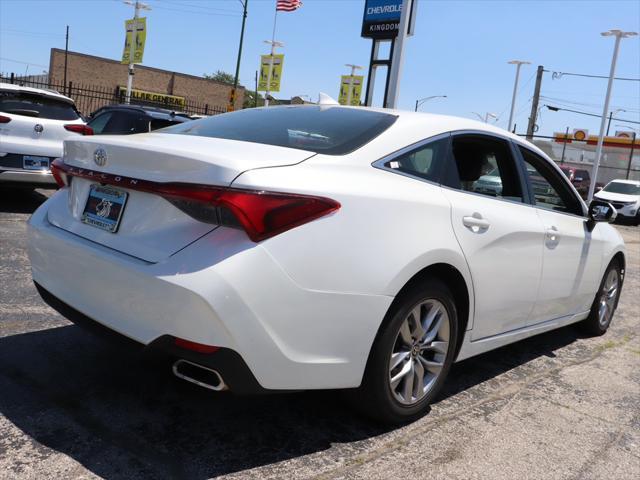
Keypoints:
pixel 74 406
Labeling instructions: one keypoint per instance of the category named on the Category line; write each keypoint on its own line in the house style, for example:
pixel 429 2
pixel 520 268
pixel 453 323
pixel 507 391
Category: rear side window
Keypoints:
pixel 329 130
pixel 424 162
pixel 31 105
pixel 484 165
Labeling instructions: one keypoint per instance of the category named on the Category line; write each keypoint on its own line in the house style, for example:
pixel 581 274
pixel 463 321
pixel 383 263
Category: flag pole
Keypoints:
pixel 273 51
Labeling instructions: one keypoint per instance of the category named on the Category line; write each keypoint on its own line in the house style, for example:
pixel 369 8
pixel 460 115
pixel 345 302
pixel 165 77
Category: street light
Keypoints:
pixel 426 99
pixel 619 34
pixel 611 114
pixel 274 44
pixel 518 64
pixel 485 119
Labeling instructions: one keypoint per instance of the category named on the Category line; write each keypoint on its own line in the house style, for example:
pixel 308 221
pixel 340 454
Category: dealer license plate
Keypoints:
pixel 104 207
pixel 31 162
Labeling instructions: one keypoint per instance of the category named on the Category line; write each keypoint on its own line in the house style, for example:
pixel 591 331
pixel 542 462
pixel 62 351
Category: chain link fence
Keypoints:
pixel 88 98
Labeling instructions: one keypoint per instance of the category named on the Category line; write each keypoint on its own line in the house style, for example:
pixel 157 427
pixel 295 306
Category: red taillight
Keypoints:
pixel 195 347
pixel 57 170
pixel 4 119
pixel 261 214
pixel 79 128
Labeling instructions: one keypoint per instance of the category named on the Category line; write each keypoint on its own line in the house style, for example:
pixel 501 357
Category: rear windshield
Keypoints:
pixel 624 188
pixel 21 103
pixel 328 130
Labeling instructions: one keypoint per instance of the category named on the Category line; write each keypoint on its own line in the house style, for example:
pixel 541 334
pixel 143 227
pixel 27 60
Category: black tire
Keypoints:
pixel 593 325
pixel 375 397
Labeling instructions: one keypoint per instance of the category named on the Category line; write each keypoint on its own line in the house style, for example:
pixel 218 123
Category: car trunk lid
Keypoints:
pixel 152 228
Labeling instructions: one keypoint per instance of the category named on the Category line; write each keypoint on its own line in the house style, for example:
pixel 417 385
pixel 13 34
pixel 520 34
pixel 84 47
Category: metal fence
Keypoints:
pixel 616 162
pixel 88 98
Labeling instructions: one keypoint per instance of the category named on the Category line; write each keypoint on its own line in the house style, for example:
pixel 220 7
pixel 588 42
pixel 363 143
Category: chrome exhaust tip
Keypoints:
pixel 202 376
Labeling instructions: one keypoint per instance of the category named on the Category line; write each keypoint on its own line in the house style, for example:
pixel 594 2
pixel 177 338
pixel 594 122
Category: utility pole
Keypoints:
pixel 353 72
pixel 256 98
pixel 534 103
pixel 232 98
pixel 611 114
pixel 518 64
pixel 633 144
pixel 66 53
pixel 398 55
pixel 138 5
pixel 619 34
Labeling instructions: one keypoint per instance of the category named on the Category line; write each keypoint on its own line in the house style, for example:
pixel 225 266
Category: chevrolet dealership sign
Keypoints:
pixel 382 18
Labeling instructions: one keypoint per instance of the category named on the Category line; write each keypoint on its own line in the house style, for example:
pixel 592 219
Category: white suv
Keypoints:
pixel 624 195
pixel 33 124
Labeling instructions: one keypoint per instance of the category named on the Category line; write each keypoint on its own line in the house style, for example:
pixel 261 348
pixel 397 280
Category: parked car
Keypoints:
pixel 322 247
pixel 624 195
pixel 129 119
pixel 579 177
pixel 33 124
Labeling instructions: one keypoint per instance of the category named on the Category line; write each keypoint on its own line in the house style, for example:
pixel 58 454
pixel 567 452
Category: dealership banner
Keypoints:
pixel 139 27
pixel 353 84
pixel 141 95
pixel 381 19
pixel 276 73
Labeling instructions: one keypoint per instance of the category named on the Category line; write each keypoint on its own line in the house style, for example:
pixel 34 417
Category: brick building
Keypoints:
pixel 101 72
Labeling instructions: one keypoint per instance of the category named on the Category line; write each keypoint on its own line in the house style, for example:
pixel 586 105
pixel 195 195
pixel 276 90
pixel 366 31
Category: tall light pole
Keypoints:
pixel 274 44
pixel 137 5
pixel 619 34
pixel 426 99
pixel 518 64
pixel 353 72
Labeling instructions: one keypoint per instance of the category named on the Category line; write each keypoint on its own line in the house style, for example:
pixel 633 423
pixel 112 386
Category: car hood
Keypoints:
pixel 616 197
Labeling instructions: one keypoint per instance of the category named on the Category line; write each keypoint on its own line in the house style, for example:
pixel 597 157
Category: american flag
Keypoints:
pixel 288 5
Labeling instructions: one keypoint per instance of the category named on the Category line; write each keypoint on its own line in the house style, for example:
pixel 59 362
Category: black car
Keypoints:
pixel 128 119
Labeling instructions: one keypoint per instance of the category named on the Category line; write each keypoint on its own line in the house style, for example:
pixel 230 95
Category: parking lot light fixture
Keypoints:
pixel 619 34
pixel 518 64
pixel 426 99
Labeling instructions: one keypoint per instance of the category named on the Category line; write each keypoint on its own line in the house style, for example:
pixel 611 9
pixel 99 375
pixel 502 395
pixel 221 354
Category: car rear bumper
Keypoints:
pixel 42 179
pixel 222 290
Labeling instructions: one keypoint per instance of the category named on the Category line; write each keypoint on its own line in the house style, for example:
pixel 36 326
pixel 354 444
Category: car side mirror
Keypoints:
pixel 601 211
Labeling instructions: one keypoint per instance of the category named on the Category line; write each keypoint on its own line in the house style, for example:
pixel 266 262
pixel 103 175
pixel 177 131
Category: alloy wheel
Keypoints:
pixel 419 351
pixel 608 296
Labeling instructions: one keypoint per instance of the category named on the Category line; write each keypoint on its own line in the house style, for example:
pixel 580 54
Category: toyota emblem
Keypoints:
pixel 38 128
pixel 100 157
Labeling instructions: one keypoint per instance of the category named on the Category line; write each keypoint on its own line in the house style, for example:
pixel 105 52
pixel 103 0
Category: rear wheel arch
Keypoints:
pixel 453 279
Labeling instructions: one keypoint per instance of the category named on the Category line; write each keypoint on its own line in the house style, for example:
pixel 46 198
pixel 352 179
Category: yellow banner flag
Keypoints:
pixel 273 63
pixel 139 28
pixel 350 85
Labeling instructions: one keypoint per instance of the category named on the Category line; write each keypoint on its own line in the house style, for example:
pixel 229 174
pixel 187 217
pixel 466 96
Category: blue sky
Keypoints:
pixel 460 48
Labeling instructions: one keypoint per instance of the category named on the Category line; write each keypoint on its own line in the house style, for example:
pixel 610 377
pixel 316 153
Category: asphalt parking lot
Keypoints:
pixel 75 406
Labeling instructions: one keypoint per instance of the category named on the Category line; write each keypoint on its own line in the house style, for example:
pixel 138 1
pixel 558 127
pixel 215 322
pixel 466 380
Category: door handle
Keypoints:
pixel 476 223
pixel 552 236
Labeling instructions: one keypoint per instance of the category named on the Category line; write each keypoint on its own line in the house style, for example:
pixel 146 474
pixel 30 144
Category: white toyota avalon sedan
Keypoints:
pixel 323 247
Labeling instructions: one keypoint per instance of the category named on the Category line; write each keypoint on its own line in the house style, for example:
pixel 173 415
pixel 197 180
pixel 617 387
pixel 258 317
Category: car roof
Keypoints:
pixel 154 112
pixel 10 87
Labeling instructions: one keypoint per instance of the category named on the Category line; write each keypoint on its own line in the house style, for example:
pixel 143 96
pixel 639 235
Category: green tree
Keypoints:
pixel 250 99
pixel 220 76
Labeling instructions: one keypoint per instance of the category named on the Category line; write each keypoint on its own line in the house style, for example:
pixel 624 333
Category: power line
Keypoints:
pixel 559 75
pixel 555 109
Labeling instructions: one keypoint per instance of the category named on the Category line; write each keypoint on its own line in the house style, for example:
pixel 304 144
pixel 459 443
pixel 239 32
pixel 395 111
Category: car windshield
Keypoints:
pixel 328 130
pixel 32 105
pixel 624 188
